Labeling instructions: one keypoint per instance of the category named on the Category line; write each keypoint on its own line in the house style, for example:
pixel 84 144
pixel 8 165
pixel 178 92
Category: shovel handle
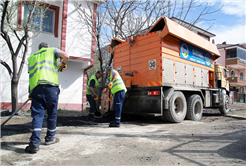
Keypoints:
pixel 109 101
pixel 14 112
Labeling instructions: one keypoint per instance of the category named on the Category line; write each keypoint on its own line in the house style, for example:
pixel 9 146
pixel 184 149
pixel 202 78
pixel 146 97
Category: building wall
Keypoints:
pixel 78 44
pixel 71 87
pixel 222 59
pixel 78 39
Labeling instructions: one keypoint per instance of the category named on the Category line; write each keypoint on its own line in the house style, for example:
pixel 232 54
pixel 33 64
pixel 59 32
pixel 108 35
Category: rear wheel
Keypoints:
pixel 195 108
pixel 226 105
pixel 177 108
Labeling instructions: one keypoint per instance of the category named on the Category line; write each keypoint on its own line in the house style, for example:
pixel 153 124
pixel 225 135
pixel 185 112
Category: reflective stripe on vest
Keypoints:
pixel 42 66
pixel 118 83
pixel 88 90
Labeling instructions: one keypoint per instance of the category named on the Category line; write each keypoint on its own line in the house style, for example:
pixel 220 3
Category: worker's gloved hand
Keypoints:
pixel 110 85
pixel 110 98
pixel 62 67
pixel 95 98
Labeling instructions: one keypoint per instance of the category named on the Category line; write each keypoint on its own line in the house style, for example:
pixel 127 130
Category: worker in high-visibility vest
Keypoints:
pixel 118 89
pixel 44 92
pixel 91 94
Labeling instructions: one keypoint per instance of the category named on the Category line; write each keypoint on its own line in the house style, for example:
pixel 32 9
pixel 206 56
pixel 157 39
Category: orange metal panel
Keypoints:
pixel 144 48
pixel 211 79
pixel 151 52
pixel 186 35
pixel 171 43
pixel 161 41
pixel 121 58
pixel 170 52
pixel 169 27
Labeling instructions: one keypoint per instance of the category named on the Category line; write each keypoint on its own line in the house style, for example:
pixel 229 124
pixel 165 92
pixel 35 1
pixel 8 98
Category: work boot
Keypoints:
pixel 55 140
pixel 32 149
pixel 91 118
pixel 112 124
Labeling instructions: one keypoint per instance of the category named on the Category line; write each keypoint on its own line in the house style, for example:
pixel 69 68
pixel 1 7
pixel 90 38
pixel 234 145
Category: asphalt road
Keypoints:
pixel 215 140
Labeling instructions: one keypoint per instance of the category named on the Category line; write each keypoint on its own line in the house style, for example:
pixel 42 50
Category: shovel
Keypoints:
pixel 97 112
pixel 14 113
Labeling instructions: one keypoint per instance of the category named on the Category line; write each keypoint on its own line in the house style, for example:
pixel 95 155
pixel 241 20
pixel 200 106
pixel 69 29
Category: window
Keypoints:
pixel 43 19
pixel 241 53
pixel 243 90
pixel 231 53
pixel 224 73
pixel 236 53
pixel 50 18
pixel 48 21
pixel 241 76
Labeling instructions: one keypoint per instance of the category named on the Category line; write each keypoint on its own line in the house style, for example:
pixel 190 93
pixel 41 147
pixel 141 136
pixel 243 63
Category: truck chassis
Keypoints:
pixel 174 104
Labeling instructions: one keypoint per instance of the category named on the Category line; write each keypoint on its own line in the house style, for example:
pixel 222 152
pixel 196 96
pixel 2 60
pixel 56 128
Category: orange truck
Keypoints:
pixel 170 72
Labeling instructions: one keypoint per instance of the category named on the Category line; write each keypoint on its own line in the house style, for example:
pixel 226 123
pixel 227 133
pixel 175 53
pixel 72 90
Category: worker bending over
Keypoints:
pixel 91 93
pixel 44 92
pixel 118 89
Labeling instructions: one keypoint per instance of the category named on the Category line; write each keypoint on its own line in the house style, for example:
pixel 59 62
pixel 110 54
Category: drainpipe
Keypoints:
pixel 93 50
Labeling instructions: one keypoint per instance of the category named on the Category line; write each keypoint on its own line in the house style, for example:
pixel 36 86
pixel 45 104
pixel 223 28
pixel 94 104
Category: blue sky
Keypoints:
pixel 229 24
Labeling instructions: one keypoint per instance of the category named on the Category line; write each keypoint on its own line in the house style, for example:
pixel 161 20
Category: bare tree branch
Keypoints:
pixel 7 67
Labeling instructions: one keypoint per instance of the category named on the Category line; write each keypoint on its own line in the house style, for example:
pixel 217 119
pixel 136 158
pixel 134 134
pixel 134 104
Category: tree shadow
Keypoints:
pixel 10 146
pixel 234 150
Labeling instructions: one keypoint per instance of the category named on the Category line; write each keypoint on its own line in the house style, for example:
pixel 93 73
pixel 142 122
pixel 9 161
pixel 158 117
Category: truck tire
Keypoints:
pixel 195 108
pixel 177 108
pixel 226 105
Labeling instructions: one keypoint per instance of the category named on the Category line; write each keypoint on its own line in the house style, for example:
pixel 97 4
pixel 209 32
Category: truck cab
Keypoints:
pixel 221 80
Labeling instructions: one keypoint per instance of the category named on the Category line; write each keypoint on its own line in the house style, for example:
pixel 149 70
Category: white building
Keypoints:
pixel 68 33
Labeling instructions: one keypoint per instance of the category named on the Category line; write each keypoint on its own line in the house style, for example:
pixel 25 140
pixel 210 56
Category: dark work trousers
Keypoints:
pixel 119 98
pixel 92 105
pixel 44 97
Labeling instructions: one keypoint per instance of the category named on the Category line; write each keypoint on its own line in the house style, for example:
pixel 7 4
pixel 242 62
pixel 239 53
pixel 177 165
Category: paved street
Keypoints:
pixel 215 140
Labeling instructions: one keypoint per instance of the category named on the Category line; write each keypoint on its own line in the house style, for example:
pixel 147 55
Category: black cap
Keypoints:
pixel 43 45
pixel 109 68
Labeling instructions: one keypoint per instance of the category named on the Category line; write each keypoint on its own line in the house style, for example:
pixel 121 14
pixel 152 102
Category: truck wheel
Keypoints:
pixel 195 108
pixel 226 105
pixel 177 108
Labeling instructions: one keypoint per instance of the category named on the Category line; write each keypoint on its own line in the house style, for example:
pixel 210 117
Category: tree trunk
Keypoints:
pixel 14 94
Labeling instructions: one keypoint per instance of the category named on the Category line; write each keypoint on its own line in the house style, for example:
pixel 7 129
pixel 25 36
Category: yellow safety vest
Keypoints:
pixel 88 91
pixel 118 83
pixel 43 67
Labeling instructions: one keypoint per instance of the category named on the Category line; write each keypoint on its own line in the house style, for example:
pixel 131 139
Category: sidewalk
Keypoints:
pixel 238 110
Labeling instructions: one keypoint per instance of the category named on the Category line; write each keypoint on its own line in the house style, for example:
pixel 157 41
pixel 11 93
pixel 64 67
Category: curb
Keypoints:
pixel 236 116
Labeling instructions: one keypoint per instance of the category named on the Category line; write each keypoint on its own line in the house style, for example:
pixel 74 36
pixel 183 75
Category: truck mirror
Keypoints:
pixel 232 74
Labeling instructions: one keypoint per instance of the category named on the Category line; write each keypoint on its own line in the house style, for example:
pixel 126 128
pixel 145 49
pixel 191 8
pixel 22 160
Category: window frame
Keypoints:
pixel 52 7
pixel 231 53
pixel 243 90
pixel 241 77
